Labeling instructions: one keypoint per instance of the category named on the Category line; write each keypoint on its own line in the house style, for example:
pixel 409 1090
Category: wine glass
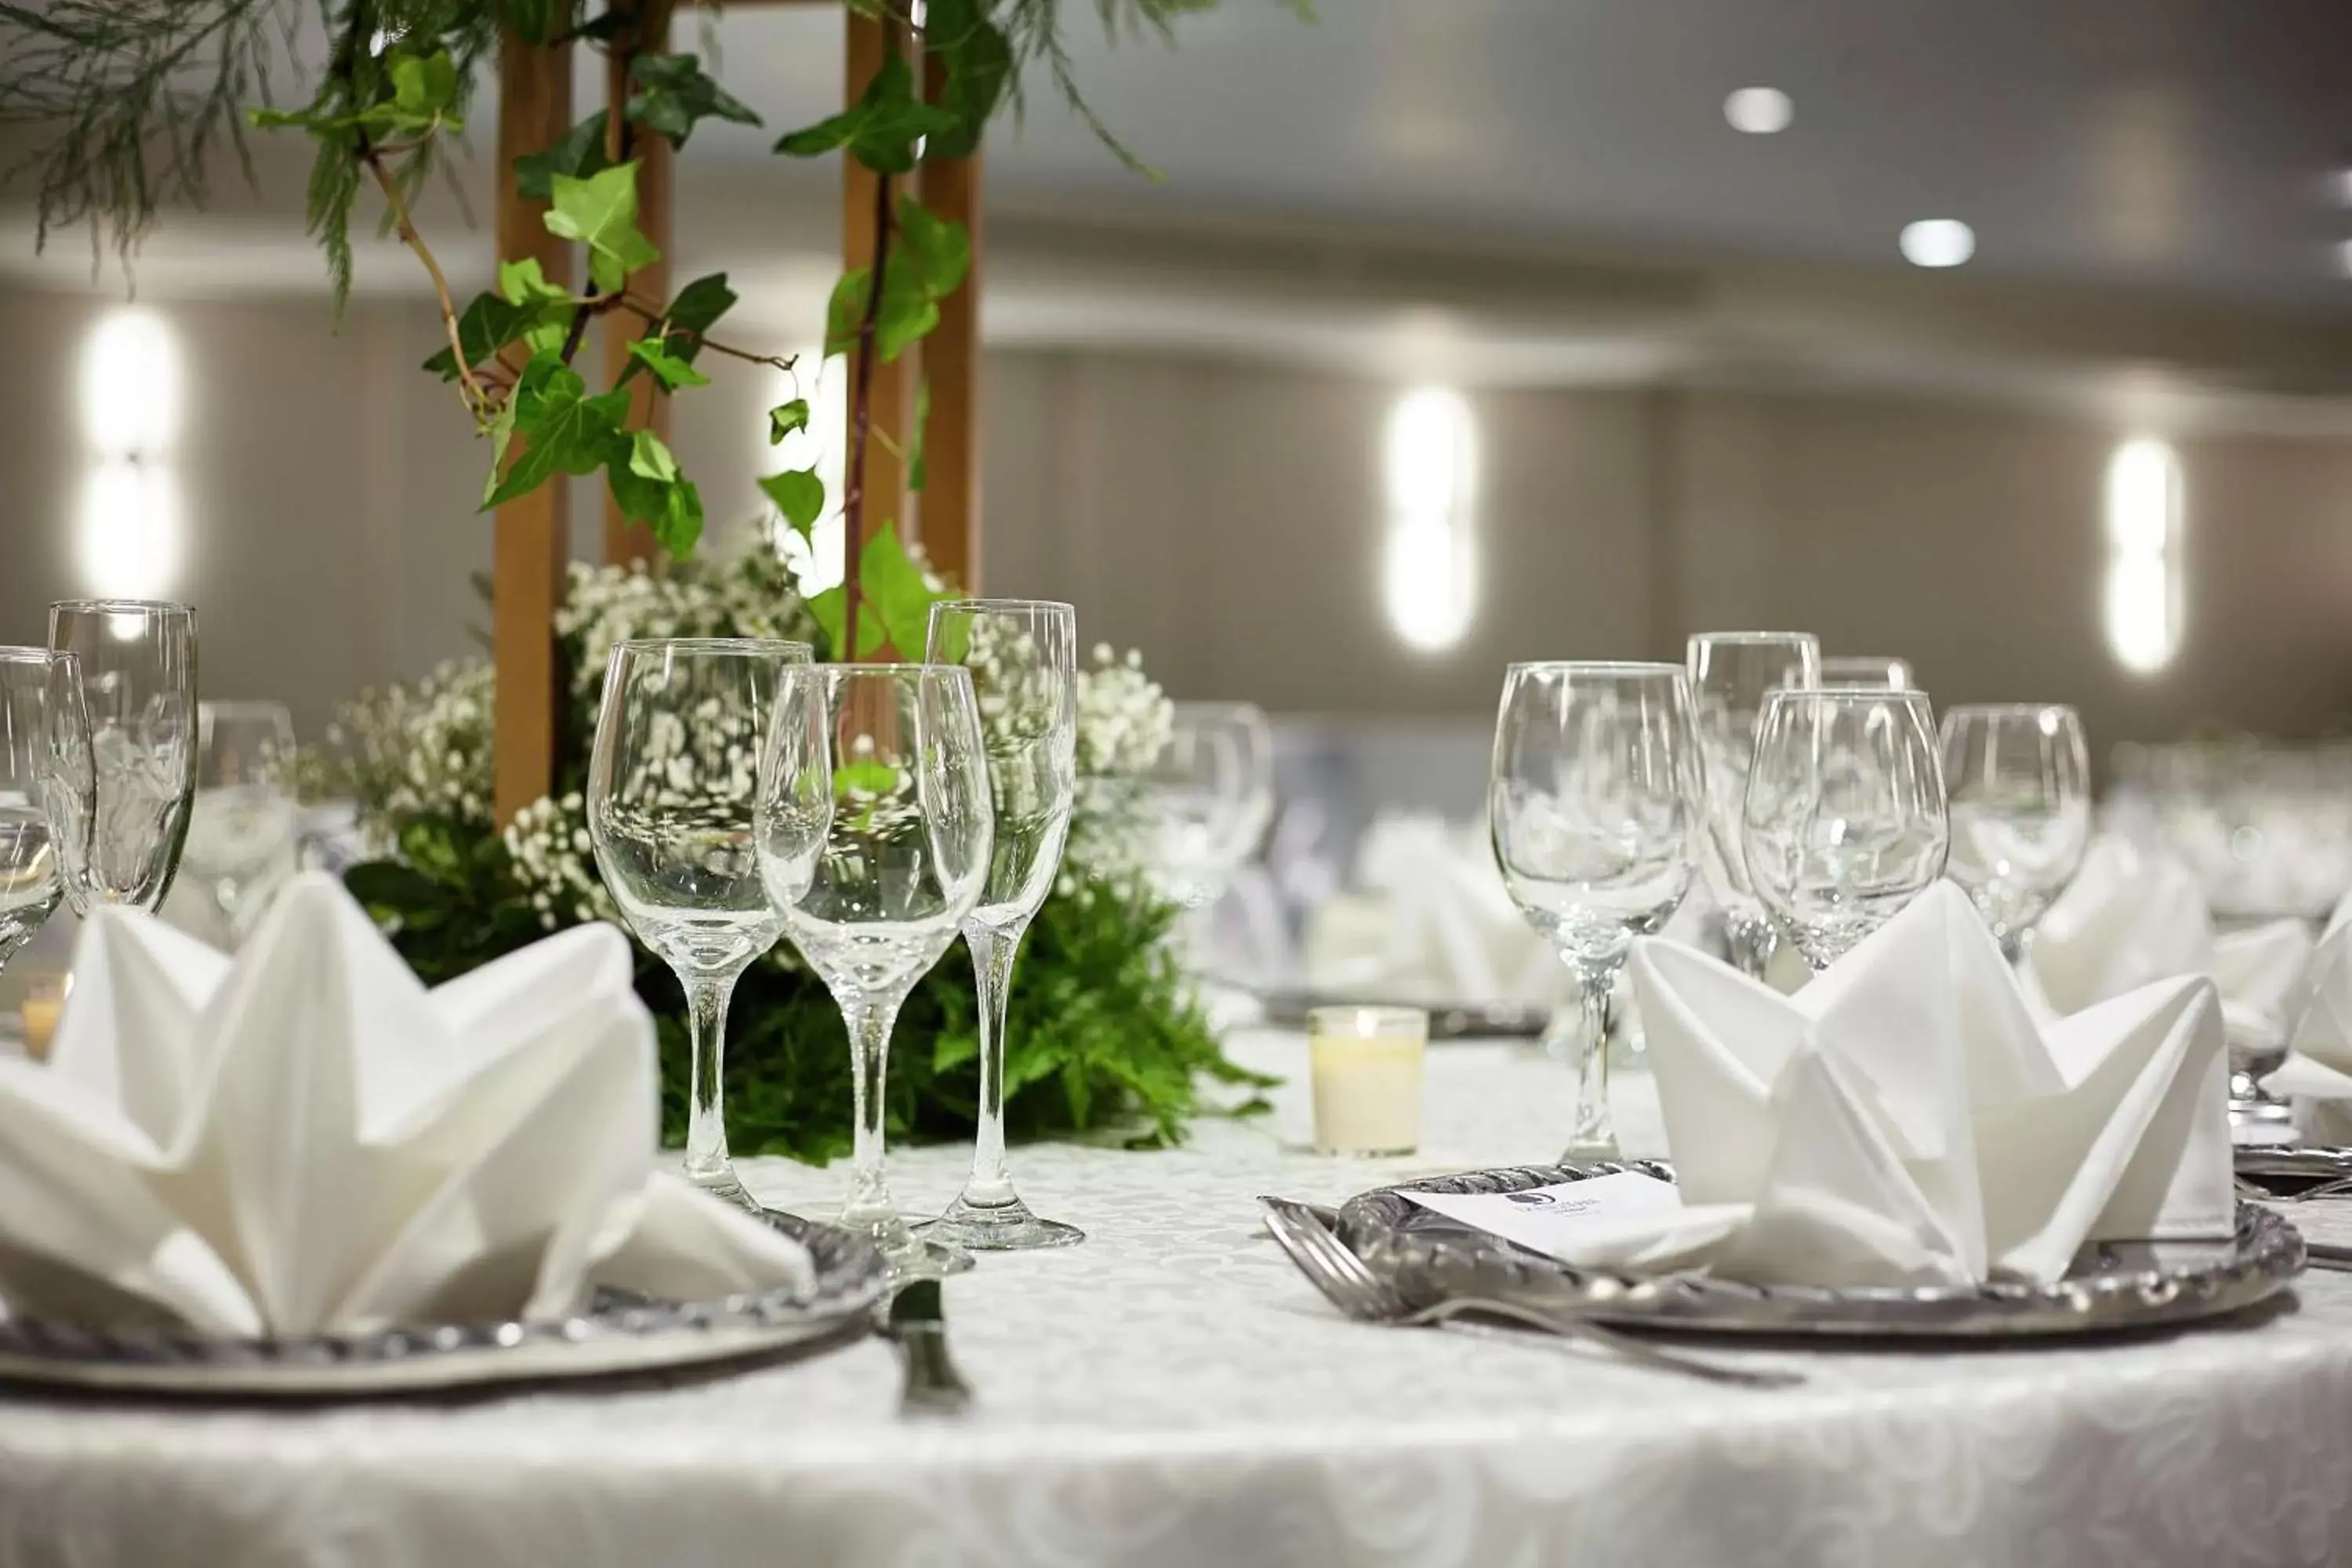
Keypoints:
pixel 44 739
pixel 875 823
pixel 1212 789
pixel 122 825
pixel 1882 672
pixel 672 800
pixel 241 825
pixel 1731 674
pixel 1844 822
pixel 1023 657
pixel 2017 777
pixel 1596 807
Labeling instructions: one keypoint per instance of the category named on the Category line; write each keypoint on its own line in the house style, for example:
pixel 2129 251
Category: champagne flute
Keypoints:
pixel 1844 821
pixel 123 823
pixel 672 798
pixel 2018 779
pixel 875 826
pixel 241 824
pixel 1596 807
pixel 1731 674
pixel 44 738
pixel 1023 657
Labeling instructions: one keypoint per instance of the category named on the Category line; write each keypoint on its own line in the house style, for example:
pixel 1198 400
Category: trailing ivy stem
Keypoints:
pixel 861 422
pixel 476 396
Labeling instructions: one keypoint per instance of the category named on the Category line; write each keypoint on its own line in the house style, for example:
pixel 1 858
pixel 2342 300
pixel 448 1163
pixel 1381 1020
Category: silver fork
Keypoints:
pixel 1348 1283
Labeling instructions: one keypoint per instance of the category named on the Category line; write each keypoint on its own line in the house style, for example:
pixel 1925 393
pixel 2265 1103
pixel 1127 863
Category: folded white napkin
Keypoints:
pixel 1904 1121
pixel 1433 923
pixel 2132 915
pixel 2317 1073
pixel 306 1139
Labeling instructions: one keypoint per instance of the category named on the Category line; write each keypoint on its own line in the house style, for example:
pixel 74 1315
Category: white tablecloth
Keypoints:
pixel 1173 1393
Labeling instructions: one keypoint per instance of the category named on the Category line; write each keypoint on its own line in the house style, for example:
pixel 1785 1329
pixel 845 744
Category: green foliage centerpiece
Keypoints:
pixel 134 98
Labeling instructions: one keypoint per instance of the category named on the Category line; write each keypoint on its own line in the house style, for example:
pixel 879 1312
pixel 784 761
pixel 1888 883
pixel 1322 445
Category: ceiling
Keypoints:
pixel 2190 145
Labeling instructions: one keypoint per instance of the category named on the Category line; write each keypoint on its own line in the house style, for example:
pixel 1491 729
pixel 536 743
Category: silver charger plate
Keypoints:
pixel 2111 1285
pixel 2292 1166
pixel 616 1335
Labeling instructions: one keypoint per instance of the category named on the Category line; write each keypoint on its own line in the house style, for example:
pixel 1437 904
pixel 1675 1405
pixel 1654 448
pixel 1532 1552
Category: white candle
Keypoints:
pixel 1366 1064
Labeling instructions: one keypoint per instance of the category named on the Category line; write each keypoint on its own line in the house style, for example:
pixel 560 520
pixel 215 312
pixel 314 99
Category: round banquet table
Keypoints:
pixel 1172 1393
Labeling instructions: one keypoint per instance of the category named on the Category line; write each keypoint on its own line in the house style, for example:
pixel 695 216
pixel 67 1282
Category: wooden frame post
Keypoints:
pixel 532 534
pixel 951 367
pixel 648 407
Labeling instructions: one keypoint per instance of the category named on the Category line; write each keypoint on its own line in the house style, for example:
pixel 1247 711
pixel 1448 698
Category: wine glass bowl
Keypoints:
pixel 1595 807
pixel 1731 675
pixel 1212 791
pixel 875 826
pixel 44 737
pixel 2018 780
pixel 1883 672
pixel 1844 821
pixel 672 803
pixel 126 821
pixel 241 821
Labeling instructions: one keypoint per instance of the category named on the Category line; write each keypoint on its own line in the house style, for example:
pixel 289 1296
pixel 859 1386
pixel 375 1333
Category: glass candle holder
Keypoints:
pixel 1366 1067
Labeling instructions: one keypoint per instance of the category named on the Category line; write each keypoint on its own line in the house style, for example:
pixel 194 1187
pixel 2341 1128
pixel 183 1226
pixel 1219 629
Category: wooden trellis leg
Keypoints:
pixel 951 366
pixel 624 540
pixel 532 537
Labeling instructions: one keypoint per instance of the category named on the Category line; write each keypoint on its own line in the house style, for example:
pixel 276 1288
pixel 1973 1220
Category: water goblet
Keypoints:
pixel 672 801
pixel 44 737
pixel 2017 781
pixel 1882 672
pixel 1023 657
pixel 241 824
pixel 1731 674
pixel 121 825
pixel 1844 822
pixel 1596 807
pixel 875 826
pixel 1211 791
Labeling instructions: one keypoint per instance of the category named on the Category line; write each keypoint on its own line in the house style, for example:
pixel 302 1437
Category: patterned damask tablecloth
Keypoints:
pixel 1172 1393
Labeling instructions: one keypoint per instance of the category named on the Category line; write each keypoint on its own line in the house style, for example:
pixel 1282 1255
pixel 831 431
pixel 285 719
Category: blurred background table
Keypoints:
pixel 1172 1393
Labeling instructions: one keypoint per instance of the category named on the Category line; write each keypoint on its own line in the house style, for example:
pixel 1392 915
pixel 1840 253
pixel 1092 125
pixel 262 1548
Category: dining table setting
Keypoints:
pixel 1959 1191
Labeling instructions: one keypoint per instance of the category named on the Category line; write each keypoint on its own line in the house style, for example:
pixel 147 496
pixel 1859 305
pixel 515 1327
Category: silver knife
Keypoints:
pixel 918 1327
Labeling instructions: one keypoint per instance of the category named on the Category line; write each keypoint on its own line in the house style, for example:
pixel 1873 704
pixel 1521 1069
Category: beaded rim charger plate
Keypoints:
pixel 615 1334
pixel 2111 1285
pixel 2290 1166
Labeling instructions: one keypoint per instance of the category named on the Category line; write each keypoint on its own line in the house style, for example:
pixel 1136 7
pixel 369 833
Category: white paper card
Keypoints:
pixel 1559 1221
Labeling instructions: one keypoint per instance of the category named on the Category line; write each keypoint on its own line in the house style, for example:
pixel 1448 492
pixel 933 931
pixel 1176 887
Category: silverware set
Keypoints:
pixel 1310 1236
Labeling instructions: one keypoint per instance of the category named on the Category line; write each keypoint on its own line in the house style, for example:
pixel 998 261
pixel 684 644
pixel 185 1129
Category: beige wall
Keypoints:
pixel 1226 519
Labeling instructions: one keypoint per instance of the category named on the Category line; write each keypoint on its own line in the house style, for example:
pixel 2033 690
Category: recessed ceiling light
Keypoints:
pixel 1939 242
pixel 1758 110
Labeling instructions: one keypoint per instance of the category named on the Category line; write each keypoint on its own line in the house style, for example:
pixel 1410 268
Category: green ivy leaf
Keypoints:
pixel 650 458
pixel 895 601
pixel 910 311
pixel 979 69
pixel 568 432
pixel 880 130
pixel 845 312
pixel 486 326
pixel 918 471
pixel 940 248
pixel 786 417
pixel 799 494
pixel 600 212
pixel 646 485
pixel 524 282
pixel 422 87
pixel 673 92
pixel 580 154
pixel 669 369
pixel 500 429
pixel 699 305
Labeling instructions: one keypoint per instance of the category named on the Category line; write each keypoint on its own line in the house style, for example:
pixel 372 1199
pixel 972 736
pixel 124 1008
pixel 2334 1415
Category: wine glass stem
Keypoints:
pixel 869 1023
pixel 1752 940
pixel 705 1124
pixel 992 950
pixel 1592 1134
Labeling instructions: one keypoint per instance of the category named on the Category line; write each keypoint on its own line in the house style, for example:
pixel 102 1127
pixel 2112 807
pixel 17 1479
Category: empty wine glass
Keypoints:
pixel 1023 657
pixel 875 825
pixel 1882 672
pixel 122 825
pixel 2017 777
pixel 44 740
pixel 1595 806
pixel 1212 790
pixel 672 803
pixel 241 825
pixel 1844 819
pixel 1731 674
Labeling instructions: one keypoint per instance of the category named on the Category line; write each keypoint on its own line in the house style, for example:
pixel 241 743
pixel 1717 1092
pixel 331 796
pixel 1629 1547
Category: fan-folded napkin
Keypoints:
pixel 305 1139
pixel 1904 1119
pixel 2132 915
